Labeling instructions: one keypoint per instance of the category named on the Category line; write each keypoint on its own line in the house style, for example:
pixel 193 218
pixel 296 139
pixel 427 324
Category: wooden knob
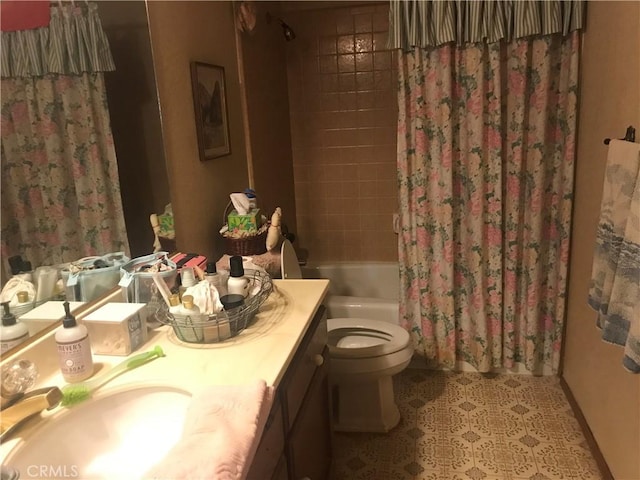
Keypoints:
pixel 318 359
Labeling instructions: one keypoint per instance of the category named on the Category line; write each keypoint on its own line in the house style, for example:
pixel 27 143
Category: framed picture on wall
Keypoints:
pixel 210 102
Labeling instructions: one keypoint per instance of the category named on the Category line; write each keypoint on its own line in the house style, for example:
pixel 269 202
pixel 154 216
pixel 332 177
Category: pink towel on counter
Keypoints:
pixel 221 433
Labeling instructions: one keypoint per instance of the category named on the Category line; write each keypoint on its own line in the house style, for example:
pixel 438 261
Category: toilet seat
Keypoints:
pixel 380 338
pixel 289 266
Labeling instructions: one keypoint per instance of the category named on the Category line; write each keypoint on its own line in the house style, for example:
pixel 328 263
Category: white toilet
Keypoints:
pixel 364 355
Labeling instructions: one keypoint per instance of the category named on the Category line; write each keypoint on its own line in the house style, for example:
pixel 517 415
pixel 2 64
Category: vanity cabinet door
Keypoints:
pixel 271 447
pixel 281 472
pixel 309 443
pixel 305 364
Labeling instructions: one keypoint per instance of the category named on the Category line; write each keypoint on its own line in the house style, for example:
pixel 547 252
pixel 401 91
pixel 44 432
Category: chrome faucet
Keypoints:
pixel 26 406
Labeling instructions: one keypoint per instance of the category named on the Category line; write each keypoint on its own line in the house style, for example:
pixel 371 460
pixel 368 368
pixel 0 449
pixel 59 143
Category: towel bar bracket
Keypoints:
pixel 629 136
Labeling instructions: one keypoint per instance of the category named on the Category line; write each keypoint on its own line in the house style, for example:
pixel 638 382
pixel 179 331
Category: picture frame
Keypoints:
pixel 210 104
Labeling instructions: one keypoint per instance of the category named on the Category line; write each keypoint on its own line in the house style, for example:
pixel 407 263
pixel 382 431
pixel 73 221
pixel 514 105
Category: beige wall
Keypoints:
pixel 182 32
pixel 610 101
pixel 267 103
pixel 343 129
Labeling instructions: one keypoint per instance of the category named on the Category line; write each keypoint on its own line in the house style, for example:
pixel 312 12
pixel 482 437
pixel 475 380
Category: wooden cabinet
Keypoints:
pixel 271 446
pixel 309 441
pixel 296 443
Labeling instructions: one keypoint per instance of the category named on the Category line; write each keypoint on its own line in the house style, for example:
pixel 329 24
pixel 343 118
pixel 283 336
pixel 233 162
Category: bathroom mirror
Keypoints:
pixel 135 121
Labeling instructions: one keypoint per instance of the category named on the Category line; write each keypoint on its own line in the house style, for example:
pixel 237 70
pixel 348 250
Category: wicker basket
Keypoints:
pixel 220 326
pixel 247 246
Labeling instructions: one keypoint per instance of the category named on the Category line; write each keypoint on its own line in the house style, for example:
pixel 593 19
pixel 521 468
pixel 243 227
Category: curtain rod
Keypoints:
pixel 629 136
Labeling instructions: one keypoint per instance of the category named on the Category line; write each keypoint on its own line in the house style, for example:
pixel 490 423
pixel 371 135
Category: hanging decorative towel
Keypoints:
pixel 615 276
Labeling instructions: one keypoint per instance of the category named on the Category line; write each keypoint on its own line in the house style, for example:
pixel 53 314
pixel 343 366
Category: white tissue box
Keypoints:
pixel 44 315
pixel 117 328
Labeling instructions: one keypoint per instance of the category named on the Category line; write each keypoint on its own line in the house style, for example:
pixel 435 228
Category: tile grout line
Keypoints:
pixel 500 439
pixel 473 444
pixel 415 425
pixel 526 429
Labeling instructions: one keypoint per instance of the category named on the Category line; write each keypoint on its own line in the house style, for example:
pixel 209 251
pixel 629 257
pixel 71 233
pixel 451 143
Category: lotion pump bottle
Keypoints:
pixel 211 275
pixel 237 283
pixel 217 279
pixel 187 279
pixel 74 349
pixel 12 332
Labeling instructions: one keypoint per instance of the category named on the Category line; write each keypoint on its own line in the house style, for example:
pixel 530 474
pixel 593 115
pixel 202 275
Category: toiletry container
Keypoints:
pixel 46 280
pixel 174 303
pixel 188 320
pixel 187 279
pixel 74 349
pixel 253 199
pixel 46 314
pixel 188 308
pixel 25 303
pixel 217 279
pixel 12 332
pixel 20 268
pixel 237 283
pixel 117 328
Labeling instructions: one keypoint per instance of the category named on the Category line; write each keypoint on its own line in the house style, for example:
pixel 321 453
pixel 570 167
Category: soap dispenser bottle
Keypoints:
pixel 237 283
pixel 74 349
pixel 12 332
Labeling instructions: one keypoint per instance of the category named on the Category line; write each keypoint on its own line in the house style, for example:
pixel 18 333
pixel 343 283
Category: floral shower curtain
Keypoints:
pixel 60 189
pixel 486 144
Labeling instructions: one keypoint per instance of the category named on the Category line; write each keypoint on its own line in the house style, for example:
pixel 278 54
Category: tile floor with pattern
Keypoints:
pixel 471 426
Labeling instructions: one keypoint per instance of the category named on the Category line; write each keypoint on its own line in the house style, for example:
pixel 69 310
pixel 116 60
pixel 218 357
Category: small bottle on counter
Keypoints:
pixel 23 297
pixel 187 279
pixel 185 309
pixel 187 320
pixel 253 199
pixel 12 332
pixel 174 303
pixel 74 349
pixel 188 307
pixel 211 275
pixel 25 303
pixel 217 279
pixel 237 283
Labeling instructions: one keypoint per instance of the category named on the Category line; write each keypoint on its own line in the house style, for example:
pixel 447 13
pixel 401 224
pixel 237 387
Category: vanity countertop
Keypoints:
pixel 263 350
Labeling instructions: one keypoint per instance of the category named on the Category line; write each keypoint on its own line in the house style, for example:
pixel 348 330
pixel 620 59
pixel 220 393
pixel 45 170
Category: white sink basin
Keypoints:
pixel 116 436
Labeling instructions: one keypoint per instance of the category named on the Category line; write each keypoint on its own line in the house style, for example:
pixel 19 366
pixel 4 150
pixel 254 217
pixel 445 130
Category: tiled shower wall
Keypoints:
pixel 342 94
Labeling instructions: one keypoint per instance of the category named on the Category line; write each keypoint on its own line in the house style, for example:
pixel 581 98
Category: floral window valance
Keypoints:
pixel 73 43
pixel 420 23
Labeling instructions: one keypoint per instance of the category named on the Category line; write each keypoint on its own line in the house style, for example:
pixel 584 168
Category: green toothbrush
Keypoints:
pixel 76 393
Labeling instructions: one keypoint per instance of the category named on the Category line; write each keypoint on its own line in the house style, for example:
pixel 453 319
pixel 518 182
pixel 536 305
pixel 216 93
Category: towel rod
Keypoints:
pixel 629 136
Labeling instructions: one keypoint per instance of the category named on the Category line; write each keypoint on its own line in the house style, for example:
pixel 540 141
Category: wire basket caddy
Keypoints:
pixel 217 327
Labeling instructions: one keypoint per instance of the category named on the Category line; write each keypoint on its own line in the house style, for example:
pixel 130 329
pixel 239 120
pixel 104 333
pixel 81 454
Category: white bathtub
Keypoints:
pixel 360 290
